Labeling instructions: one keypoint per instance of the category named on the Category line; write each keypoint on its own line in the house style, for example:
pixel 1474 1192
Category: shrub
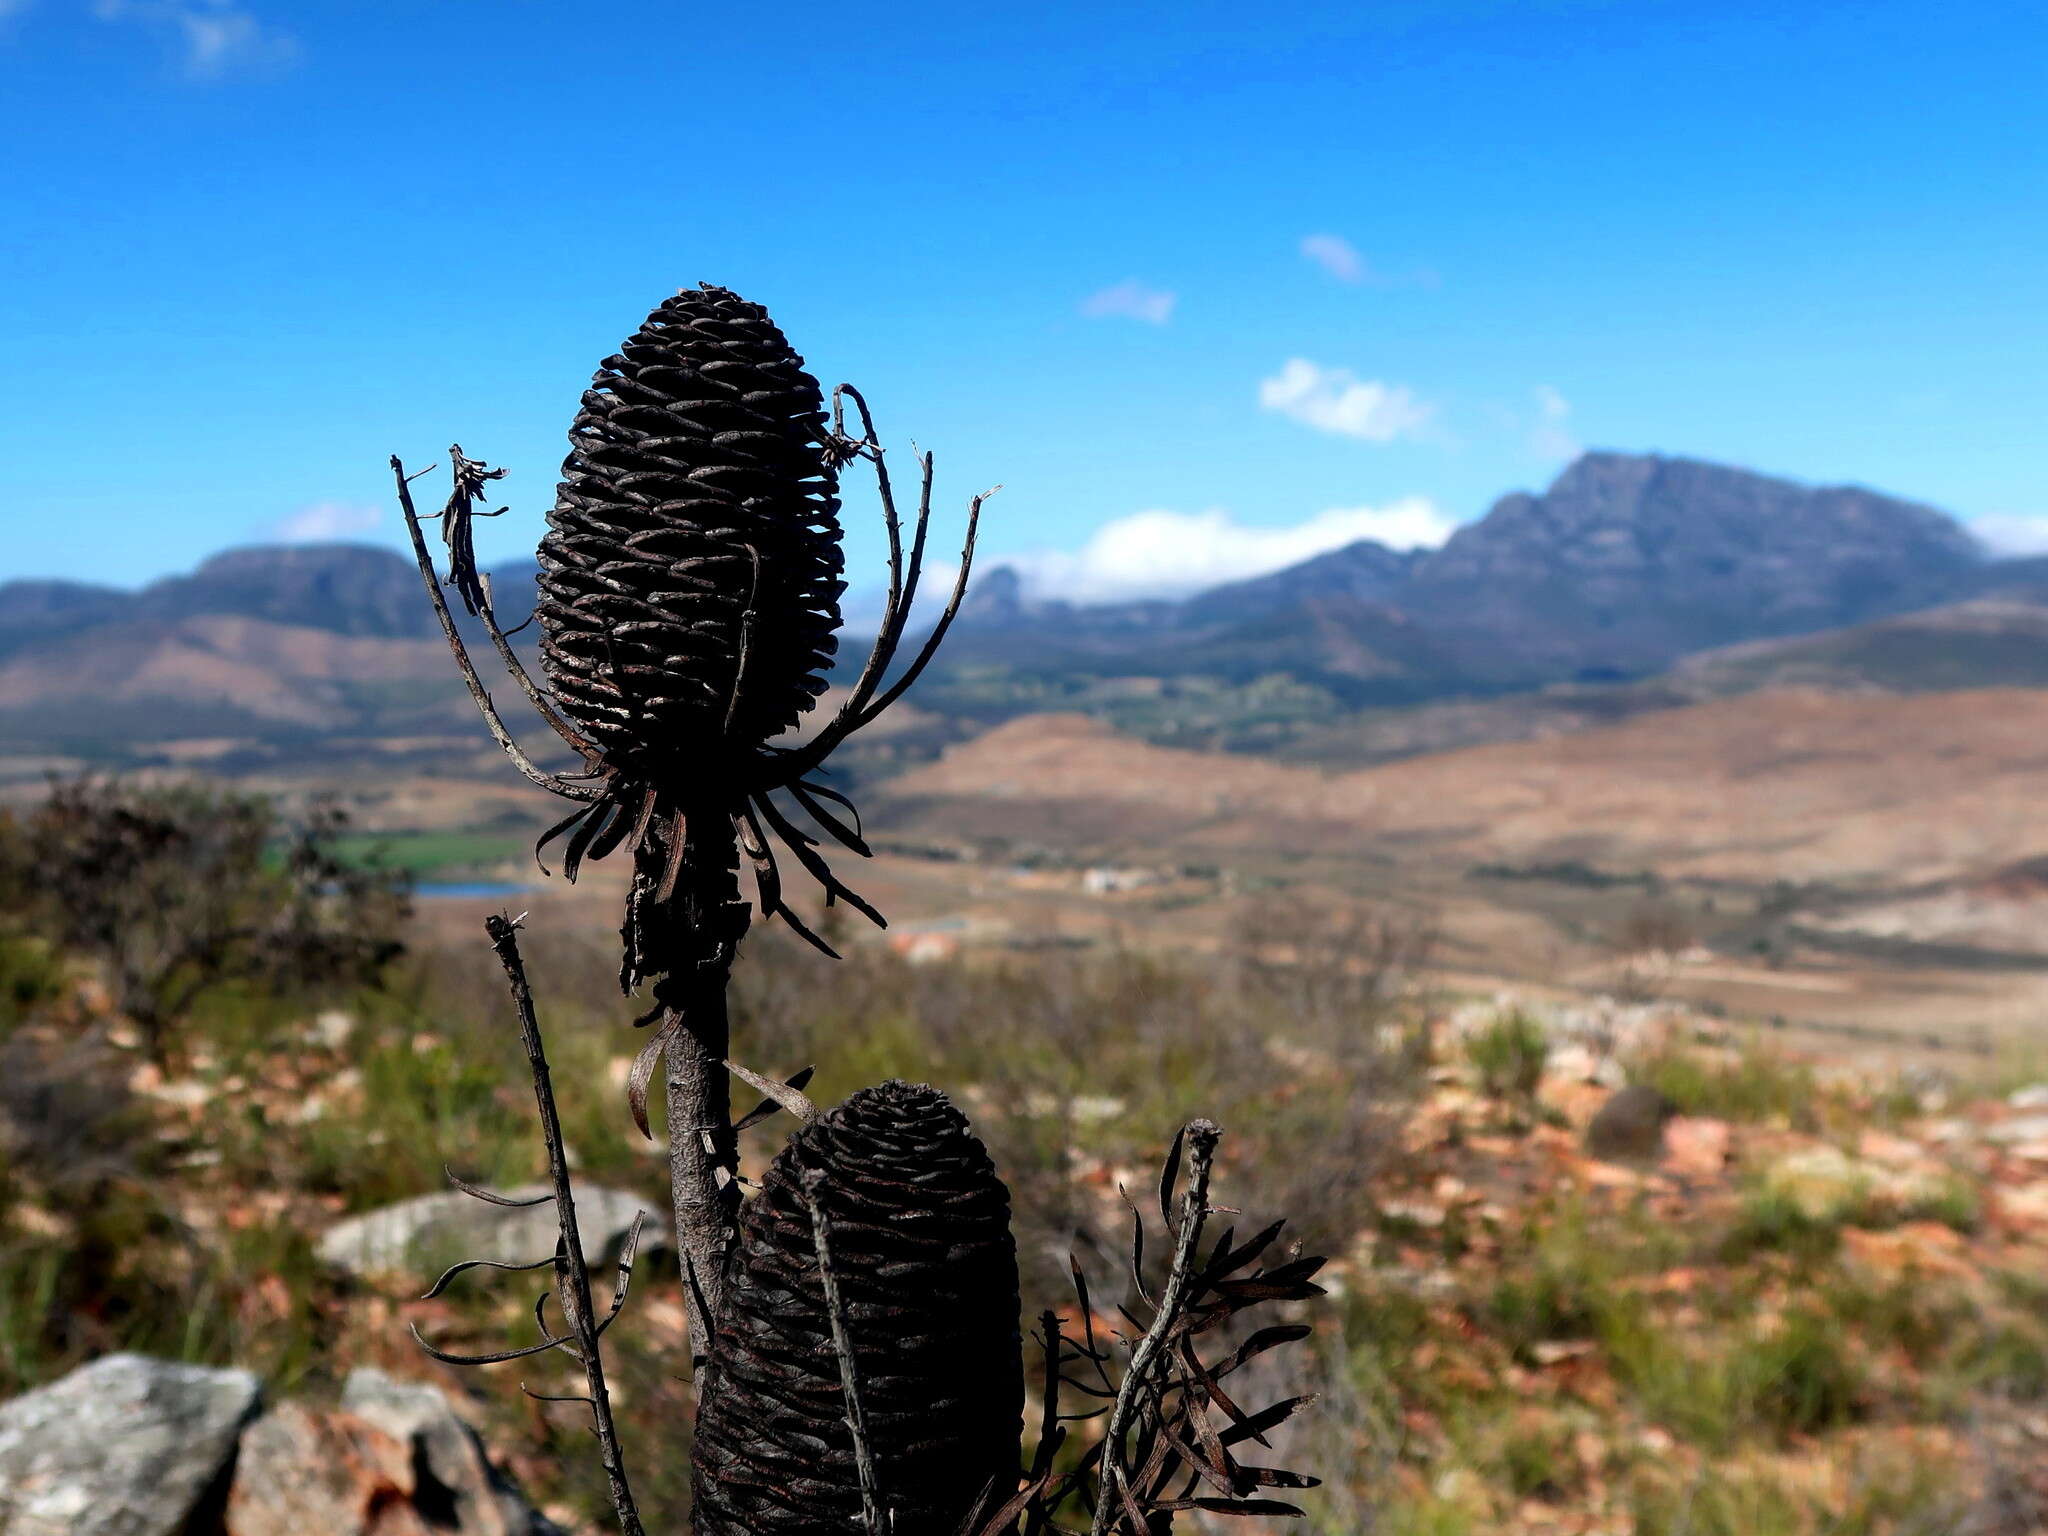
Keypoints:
pixel 1509 1055
pixel 1758 1084
pixel 179 891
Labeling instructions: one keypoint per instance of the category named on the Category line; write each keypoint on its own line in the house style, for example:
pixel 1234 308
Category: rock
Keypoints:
pixel 1576 1063
pixel 303 1471
pixel 445 1449
pixel 1876 1146
pixel 2026 1128
pixel 125 1446
pixel 1630 1125
pixel 424 1235
pixel 2024 1204
pixel 2032 1097
pixel 392 1460
pixel 1697 1146
pixel 332 1029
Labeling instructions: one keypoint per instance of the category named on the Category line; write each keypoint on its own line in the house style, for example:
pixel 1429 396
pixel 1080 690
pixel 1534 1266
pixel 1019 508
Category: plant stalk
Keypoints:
pixel 703 1151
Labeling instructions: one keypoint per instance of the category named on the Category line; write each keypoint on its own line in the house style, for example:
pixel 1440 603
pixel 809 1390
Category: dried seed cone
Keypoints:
pixel 927 1272
pixel 689 583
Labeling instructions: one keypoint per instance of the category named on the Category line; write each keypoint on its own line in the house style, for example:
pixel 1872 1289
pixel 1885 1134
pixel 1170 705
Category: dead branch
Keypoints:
pixel 1162 1441
pixel 583 1329
pixel 554 783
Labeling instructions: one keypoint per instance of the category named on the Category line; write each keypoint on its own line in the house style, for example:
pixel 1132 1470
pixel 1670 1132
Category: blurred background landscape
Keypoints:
pixel 1510 669
pixel 1781 737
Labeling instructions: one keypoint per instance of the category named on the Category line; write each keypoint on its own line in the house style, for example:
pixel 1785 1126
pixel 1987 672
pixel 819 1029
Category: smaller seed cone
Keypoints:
pixel 927 1271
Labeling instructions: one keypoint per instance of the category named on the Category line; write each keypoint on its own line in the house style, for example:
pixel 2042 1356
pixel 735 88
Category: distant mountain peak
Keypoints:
pixel 1629 560
pixel 1366 571
pixel 244 560
pixel 1624 563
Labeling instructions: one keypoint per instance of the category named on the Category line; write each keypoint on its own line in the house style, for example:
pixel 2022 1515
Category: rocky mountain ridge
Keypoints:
pixel 1626 563
pixel 1623 568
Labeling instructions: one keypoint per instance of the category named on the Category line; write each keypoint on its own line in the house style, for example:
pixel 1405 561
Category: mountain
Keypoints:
pixel 226 676
pixel 281 644
pixel 32 611
pixel 1365 572
pixel 1621 569
pixel 1630 561
pixel 1626 563
pixel 344 589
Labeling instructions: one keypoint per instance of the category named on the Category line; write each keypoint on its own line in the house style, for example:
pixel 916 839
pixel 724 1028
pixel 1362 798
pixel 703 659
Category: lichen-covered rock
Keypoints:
pixel 927 1268
pixel 125 1446
pixel 392 1460
pixel 420 1237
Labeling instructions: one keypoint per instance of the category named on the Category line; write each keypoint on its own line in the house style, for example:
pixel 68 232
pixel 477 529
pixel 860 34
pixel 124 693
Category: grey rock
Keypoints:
pixel 302 1472
pixel 393 1460
pixel 1630 1125
pixel 125 1446
pixel 424 1235
pixel 446 1450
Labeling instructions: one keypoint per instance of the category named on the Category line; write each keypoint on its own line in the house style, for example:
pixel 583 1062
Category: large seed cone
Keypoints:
pixel 689 586
pixel 927 1271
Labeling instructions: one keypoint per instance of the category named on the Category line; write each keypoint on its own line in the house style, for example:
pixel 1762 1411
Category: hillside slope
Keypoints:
pixel 1789 785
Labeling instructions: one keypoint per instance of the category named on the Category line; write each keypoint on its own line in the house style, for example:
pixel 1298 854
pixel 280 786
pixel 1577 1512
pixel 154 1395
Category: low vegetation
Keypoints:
pixel 1822 1312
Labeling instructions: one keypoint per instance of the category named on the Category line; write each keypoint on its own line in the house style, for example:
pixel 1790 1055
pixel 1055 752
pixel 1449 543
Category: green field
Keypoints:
pixel 434 855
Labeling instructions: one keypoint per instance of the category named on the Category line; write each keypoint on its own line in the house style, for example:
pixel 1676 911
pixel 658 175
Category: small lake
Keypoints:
pixel 482 890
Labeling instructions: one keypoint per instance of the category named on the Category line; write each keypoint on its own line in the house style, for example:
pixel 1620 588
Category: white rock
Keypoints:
pixel 424 1235
pixel 2026 1128
pixel 125 1446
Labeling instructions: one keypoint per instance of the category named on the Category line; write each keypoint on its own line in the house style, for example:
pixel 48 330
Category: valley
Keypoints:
pixel 1666 729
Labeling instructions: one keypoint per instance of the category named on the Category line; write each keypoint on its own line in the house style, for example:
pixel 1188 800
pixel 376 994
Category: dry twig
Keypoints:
pixel 1162 1444
pixel 583 1329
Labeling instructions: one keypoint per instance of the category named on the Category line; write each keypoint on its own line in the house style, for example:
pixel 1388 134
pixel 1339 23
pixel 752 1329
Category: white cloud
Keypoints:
pixel 1336 256
pixel 1170 554
pixel 1338 400
pixel 1131 300
pixel 326 520
pixel 1345 262
pixel 1549 437
pixel 214 38
pixel 2013 533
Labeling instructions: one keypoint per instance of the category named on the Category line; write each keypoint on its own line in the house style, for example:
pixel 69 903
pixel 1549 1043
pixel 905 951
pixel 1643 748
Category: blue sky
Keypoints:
pixel 1206 286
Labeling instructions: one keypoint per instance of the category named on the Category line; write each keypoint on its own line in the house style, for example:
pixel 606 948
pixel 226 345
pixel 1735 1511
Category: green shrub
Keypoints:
pixel 1509 1055
pixel 1774 1222
pixel 1759 1084
pixel 1803 1377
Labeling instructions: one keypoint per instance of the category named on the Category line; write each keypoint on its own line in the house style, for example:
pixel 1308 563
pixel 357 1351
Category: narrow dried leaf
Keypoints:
pixel 1169 1176
pixel 453 1270
pixel 1255 1427
pixel 1228 1261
